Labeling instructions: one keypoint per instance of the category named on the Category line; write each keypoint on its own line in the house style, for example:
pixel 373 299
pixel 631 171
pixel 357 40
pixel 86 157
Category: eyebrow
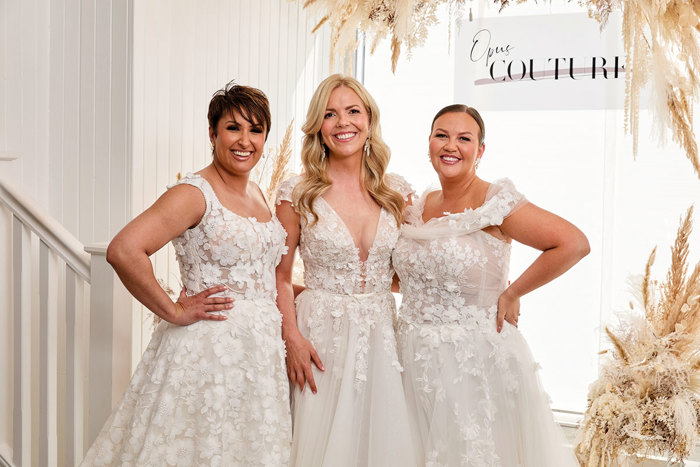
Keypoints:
pixel 253 125
pixel 346 108
pixel 461 133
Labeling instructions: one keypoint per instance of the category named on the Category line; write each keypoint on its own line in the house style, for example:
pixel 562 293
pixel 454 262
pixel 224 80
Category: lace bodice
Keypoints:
pixel 331 259
pixel 449 266
pixel 225 248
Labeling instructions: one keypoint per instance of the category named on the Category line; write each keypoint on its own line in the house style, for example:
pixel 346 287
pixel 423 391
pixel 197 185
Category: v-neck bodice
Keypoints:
pixel 349 233
pixel 331 258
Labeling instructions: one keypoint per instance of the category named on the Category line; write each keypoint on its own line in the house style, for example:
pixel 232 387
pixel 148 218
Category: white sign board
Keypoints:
pixel 554 62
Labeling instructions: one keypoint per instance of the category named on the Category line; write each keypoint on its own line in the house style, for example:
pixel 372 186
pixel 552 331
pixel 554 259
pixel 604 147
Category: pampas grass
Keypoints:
pixel 405 21
pixel 269 177
pixel 646 400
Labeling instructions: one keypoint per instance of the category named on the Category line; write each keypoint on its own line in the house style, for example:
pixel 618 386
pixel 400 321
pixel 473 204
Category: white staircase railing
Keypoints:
pixel 71 353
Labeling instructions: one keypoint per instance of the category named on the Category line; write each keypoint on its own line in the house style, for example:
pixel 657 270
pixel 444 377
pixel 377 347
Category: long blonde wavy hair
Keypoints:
pixel 315 181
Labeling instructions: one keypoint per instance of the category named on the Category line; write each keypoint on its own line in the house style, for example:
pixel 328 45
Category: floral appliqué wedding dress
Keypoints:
pixel 473 393
pixel 358 416
pixel 213 393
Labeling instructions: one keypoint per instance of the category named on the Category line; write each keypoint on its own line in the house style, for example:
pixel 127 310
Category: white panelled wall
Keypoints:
pixel 102 104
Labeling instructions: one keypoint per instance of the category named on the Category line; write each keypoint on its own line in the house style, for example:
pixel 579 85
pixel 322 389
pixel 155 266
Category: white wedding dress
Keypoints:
pixel 213 393
pixel 473 393
pixel 358 416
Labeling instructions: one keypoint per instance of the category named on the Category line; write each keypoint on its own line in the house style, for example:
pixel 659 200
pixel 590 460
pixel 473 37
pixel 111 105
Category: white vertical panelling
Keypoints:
pixel 37 130
pixel 7 329
pixel 87 116
pixel 12 101
pixel 101 89
pixel 3 76
pixel 66 80
pixel 22 412
pixel 71 122
pixel 59 59
pixel 48 350
pixel 27 108
pixel 56 121
pixel 119 162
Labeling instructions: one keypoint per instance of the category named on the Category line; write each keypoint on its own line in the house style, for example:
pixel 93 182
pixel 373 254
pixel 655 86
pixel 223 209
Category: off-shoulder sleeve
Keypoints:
pixel 284 193
pixel 398 183
pixel 502 200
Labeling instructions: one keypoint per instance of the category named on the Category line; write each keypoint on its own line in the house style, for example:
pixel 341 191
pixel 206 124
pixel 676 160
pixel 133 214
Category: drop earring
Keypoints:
pixel 366 149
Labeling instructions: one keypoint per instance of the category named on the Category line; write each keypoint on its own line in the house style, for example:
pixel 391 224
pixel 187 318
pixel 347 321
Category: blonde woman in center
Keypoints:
pixel 344 214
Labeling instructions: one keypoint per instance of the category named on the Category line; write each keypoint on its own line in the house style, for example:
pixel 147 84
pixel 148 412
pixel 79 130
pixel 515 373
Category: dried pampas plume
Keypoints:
pixel 279 167
pixel 406 21
pixel 646 400
pixel 269 176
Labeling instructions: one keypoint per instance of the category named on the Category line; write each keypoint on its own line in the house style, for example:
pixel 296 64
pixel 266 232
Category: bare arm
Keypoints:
pixel 298 289
pixel 178 209
pixel 300 352
pixel 562 245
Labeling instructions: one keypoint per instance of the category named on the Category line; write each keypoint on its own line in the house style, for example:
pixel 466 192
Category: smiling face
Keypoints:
pixel 238 144
pixel 345 123
pixel 454 145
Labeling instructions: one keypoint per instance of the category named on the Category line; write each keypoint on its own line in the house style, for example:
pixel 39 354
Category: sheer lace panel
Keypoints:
pixel 225 248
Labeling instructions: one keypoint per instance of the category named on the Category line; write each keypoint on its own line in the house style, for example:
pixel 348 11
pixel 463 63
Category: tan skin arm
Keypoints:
pixel 300 352
pixel 562 245
pixel 395 282
pixel 297 289
pixel 175 211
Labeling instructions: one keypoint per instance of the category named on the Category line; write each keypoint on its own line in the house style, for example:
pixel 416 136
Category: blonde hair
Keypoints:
pixel 315 181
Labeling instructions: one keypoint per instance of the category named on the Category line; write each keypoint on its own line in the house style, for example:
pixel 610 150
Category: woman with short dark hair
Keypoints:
pixel 211 388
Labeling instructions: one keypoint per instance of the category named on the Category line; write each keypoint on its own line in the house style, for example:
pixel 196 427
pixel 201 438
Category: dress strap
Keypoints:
pixel 200 182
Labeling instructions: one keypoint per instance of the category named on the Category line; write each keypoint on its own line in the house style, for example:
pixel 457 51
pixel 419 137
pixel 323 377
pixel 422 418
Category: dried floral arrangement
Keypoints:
pixel 646 400
pixel 269 179
pixel 660 39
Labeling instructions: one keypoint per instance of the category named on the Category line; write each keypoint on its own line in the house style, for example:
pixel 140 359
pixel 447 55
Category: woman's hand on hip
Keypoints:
pixel 199 307
pixel 508 310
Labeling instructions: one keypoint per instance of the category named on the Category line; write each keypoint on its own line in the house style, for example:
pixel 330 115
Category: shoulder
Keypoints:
pixel 194 180
pixel 397 183
pixel 502 200
pixel 284 192
pixel 194 188
pixel 503 188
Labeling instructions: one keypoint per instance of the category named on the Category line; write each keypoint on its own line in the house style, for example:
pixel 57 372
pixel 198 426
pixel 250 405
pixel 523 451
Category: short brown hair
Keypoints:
pixel 250 102
pixel 461 108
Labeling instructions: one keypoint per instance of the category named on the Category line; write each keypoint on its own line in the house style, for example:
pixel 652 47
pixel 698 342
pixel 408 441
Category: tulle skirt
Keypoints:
pixel 475 397
pixel 358 416
pixel 213 393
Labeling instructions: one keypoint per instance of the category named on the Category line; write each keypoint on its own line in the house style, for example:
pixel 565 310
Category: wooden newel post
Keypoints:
pixel 110 351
